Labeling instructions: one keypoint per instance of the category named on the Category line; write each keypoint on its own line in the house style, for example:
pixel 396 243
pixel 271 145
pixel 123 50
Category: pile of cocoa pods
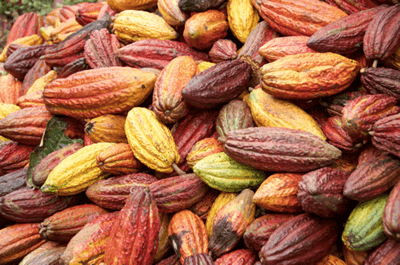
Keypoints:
pixel 188 132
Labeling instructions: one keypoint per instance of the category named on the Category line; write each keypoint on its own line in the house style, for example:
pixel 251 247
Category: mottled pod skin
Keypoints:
pixel 170 11
pixel 387 253
pixel 174 194
pixel 203 148
pixel 384 134
pixel 381 80
pixel 13 181
pixel 299 18
pixel 237 257
pixel 230 223
pixel 25 126
pixel 48 253
pixel 134 236
pixel 279 149
pixel 88 13
pixel 17 241
pixel 338 136
pixel 111 193
pixel 344 36
pixel 204 28
pixel 391 214
pixel 223 50
pixel 304 237
pixel 168 102
pixel 63 225
pixel 242 18
pixel 307 79
pixel 258 232
pixel 118 160
pixel 317 196
pixel 14 156
pixel 106 128
pixel 95 92
pixel 26 24
pixel 187 234
pixel 73 67
pixel 10 89
pixel 382 37
pixel 157 53
pixel 100 49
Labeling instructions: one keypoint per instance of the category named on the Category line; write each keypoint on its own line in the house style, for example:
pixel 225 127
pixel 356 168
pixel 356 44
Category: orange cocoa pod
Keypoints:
pixel 26 24
pixel 106 128
pixel 134 236
pixel 353 257
pixel 203 148
pixel 237 257
pixel 331 260
pixel 171 12
pixel 168 102
pixel 299 18
pixel 202 208
pixel 278 193
pixel 88 13
pixel 118 159
pixel 188 235
pixel 17 241
pixel 10 89
pixel 62 226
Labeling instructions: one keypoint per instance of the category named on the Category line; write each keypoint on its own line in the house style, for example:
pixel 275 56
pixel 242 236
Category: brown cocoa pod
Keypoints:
pixel 381 39
pixel 49 253
pixel 13 47
pixel 118 159
pixel 317 196
pixel 217 85
pixel 384 134
pixel 39 69
pixel 30 205
pixel 17 241
pixel 259 231
pixel 223 50
pixel 381 80
pixel 198 5
pixel 174 194
pixel 73 67
pixel 46 165
pixel 63 225
pixel 13 181
pixel 100 49
pixel 391 214
pixel 22 60
pixel 14 156
pixel 344 36
pixel 140 217
pixel 25 126
pixel 111 193
pixel 279 149
pixel 386 253
pixel 156 53
pixel 304 237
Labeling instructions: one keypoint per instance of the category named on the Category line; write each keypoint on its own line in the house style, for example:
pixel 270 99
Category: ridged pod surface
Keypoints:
pixel 203 148
pixel 222 199
pixel 331 260
pixel 26 24
pixel 88 13
pixel 170 11
pixel 76 172
pixel 242 18
pixel 73 67
pixel 353 257
pixel 121 5
pixel 299 18
pixel 106 128
pixel 384 134
pixel 391 215
pixel 381 80
pixel 14 156
pixel 351 7
pixel 134 236
pixel 118 159
pixel 308 75
pixel 387 253
pixel 39 69
pixel 279 149
pixel 31 40
pixel 49 253
pixel 91 93
pixel 168 102
pixel 10 89
pixel 237 257
pixel 223 50
pixel 150 140
pixel 13 181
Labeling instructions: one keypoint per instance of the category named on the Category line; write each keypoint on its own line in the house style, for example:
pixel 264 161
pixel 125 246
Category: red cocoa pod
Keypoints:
pixel 222 50
pixel 218 84
pixel 338 136
pixel 39 69
pixel 202 207
pixel 344 36
pixel 171 260
pixel 199 259
pixel 63 225
pixel 237 257
pixel 46 165
pixel 100 49
pixel 157 53
pixel 14 156
pixel 73 67
pixel 381 80
pixel 26 24
pixel 370 152
pixel 13 181
pixel 106 9
pixel 351 7
pixel 382 37
pixel 391 214
pixel 360 114
pixel 111 193
pixel 304 237
pixel 174 194
pixel 259 36
pixel 22 60
pixel 384 134
pixel 32 205
pixel 373 178
pixel 88 13
pixel 259 231
pixel 335 103
pixel 321 192
pixel 25 126
pixel 140 217
pixel 386 253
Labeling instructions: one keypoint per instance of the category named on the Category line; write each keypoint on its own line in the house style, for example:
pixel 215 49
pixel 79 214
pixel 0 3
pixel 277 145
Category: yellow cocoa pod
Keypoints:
pixel 150 140
pixel 222 199
pixel 106 128
pixel 6 109
pixel 76 172
pixel 268 111
pixel 121 5
pixel 134 25
pixel 242 18
pixel 205 65
pixel 31 40
pixel 39 84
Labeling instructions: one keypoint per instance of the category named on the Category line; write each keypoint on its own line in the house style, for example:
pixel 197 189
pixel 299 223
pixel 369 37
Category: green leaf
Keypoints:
pixel 53 139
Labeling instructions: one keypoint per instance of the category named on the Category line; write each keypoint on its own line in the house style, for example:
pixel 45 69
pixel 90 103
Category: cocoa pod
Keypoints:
pixel 351 7
pixel 39 69
pixel 169 10
pixel 10 88
pixel 106 128
pixel 239 257
pixel 383 134
pixel 386 253
pixel 13 181
pixel 88 13
pixel 353 257
pixel 118 159
pixel 203 148
pixel 198 5
pixel 49 253
pixel 202 207
pixel 14 156
pixel 73 67
pixel 223 50
pixel 390 218
pixel 381 80
pixel 26 24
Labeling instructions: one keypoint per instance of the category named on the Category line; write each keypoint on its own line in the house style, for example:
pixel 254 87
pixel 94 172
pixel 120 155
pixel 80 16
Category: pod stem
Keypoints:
pixel 178 170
